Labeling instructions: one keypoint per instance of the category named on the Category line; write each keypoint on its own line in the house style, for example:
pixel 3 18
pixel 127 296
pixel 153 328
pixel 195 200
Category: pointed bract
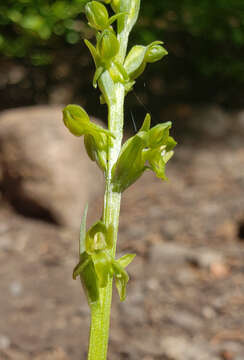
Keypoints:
pixel 146 123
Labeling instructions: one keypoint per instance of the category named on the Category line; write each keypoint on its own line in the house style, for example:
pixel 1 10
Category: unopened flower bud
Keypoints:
pixel 108 45
pixel 134 62
pixel 155 53
pixel 97 15
pixel 75 119
pixel 96 138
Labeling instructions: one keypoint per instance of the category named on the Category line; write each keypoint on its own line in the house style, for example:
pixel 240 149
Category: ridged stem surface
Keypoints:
pixel 100 313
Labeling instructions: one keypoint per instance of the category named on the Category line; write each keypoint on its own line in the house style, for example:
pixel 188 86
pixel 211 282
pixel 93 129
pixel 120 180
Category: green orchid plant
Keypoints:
pixel 150 149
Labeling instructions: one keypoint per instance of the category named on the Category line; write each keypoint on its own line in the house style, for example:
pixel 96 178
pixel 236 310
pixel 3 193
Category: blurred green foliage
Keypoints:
pixel 210 33
pixel 206 37
pixel 28 28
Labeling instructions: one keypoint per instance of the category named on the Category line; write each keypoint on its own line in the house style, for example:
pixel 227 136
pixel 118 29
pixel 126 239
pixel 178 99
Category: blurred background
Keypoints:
pixel 44 60
pixel 186 293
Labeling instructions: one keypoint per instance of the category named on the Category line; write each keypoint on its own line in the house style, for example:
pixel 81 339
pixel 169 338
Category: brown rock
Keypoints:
pixel 44 170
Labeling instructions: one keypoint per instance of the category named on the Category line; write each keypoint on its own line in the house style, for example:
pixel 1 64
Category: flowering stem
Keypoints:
pixel 150 148
pixel 100 312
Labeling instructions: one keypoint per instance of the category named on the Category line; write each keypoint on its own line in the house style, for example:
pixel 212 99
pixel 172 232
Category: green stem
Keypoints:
pixel 100 312
pixel 123 40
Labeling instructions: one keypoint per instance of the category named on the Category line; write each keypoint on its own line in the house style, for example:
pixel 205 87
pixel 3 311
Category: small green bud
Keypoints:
pixel 139 56
pixel 108 45
pixel 155 53
pixel 78 122
pixel 75 119
pixel 97 15
pixel 96 138
pixel 134 62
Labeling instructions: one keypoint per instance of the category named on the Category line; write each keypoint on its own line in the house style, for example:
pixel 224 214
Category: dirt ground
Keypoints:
pixel 186 291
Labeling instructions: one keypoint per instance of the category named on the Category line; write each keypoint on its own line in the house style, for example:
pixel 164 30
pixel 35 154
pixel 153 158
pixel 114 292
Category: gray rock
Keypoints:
pixel 178 348
pixel 205 258
pixel 168 253
pixel 16 288
pixel 4 342
pixel 173 253
pixel 45 170
pixel 186 320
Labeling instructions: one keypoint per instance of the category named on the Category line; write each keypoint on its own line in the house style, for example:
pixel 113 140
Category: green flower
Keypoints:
pixel 96 264
pixel 148 149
